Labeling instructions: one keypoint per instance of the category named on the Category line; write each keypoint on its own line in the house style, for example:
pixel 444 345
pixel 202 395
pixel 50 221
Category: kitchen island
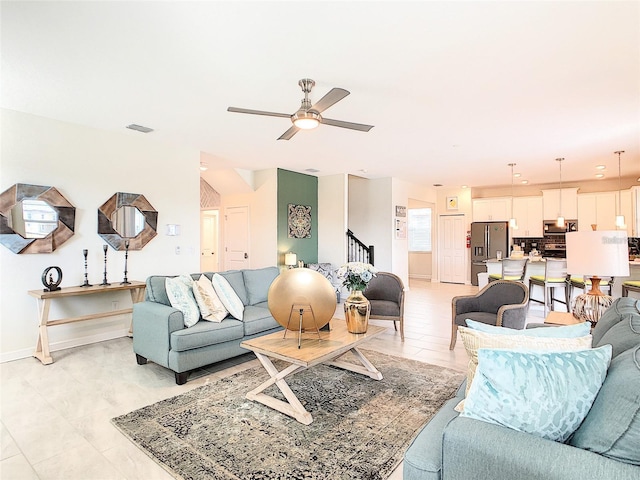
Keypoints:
pixel 537 268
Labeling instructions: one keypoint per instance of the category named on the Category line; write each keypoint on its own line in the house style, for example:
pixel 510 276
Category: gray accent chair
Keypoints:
pixel 502 303
pixel 385 292
pixel 605 446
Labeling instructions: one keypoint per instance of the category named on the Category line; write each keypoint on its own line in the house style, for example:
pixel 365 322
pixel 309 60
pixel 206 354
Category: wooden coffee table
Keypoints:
pixel 313 351
pixel 562 318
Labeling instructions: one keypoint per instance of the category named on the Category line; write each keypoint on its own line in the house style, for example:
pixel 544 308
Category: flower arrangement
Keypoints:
pixel 356 275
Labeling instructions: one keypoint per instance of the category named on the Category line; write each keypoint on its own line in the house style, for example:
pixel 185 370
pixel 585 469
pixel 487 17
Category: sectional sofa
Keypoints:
pixel 159 333
pixel 605 446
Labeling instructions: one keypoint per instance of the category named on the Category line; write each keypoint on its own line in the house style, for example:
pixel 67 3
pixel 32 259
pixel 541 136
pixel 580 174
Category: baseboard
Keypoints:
pixel 420 277
pixel 63 345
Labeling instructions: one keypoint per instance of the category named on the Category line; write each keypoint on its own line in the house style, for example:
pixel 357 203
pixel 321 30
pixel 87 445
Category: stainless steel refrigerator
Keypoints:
pixel 487 239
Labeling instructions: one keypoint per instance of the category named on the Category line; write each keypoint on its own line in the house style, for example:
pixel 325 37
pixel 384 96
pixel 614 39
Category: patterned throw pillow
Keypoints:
pixel 542 393
pixel 211 308
pixel 565 331
pixel 228 296
pixel 474 340
pixel 180 293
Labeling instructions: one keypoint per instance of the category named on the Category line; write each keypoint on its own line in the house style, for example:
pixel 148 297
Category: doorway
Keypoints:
pixel 452 247
pixel 209 241
pixel 236 235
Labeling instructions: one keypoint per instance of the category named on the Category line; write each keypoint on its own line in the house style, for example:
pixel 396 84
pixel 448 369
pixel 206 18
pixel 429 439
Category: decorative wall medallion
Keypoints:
pixel 299 221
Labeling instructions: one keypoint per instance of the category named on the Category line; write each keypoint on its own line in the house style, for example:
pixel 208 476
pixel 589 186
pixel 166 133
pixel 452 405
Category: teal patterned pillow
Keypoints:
pixel 228 296
pixel 542 393
pixel 180 293
pixel 565 331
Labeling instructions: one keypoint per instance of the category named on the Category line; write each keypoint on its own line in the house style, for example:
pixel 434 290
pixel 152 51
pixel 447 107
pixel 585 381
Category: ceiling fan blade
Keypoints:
pixel 258 112
pixel 289 133
pixel 353 126
pixel 334 96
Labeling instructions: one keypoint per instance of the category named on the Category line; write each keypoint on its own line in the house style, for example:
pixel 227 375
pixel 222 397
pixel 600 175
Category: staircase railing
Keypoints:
pixel 358 251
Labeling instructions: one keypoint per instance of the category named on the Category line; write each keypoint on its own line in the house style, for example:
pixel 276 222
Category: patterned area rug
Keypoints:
pixel 361 427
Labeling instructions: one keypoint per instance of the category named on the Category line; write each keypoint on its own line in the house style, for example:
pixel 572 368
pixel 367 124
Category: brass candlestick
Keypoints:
pixel 86 283
pixel 104 279
pixel 126 256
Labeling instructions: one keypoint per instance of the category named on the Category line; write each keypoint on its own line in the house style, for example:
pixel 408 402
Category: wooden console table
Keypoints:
pixel 44 298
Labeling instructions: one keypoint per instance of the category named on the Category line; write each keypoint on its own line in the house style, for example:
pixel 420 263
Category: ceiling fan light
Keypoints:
pixel 306 120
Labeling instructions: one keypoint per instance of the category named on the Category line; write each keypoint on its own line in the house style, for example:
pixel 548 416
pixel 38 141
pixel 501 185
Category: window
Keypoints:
pixel 419 221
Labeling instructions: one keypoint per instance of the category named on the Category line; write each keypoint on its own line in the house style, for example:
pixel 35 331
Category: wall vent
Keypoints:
pixel 139 128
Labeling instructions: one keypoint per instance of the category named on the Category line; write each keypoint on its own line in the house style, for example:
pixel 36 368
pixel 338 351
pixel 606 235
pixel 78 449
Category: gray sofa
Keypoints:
pixel 450 447
pixel 159 333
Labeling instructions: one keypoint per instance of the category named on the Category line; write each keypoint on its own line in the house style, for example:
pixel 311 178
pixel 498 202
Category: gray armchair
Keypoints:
pixel 386 294
pixel 502 303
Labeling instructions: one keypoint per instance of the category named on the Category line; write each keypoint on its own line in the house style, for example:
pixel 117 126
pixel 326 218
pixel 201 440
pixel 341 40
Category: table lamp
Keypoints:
pixel 290 259
pixel 596 254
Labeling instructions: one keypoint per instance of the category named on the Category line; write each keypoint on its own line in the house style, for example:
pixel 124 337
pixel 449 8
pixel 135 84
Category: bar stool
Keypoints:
pixel 630 286
pixel 512 269
pixel 555 276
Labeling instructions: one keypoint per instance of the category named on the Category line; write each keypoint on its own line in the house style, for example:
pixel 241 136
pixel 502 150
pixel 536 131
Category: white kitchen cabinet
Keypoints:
pixel 528 213
pixel 597 209
pixel 630 202
pixel 491 209
pixel 551 203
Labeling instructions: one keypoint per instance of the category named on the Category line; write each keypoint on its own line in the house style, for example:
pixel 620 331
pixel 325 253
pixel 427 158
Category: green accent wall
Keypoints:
pixel 298 189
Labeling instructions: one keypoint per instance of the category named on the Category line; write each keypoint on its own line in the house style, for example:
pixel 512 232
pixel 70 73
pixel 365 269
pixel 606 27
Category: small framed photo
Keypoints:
pixel 452 203
pixel 401 211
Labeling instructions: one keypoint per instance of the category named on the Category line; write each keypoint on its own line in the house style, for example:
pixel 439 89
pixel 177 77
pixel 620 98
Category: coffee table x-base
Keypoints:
pixel 313 351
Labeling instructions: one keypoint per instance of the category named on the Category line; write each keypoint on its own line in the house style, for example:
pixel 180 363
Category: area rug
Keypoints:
pixel 361 427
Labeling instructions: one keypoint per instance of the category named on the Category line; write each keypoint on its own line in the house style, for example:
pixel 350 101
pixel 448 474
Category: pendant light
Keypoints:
pixel 620 223
pixel 513 223
pixel 560 219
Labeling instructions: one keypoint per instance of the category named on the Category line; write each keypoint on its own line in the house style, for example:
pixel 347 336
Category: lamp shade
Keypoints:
pixel 290 259
pixel 598 253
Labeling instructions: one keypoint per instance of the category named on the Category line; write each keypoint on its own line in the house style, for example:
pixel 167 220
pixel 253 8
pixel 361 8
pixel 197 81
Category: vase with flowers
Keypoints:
pixel 356 276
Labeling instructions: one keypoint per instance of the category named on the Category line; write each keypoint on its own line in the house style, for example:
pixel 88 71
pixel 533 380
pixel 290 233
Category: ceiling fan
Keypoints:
pixel 308 116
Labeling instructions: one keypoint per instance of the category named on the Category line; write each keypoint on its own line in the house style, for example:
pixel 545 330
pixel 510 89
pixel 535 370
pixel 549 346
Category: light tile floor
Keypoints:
pixel 55 419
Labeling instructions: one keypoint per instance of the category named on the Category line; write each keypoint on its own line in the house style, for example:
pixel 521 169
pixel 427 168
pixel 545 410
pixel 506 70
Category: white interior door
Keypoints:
pixel 209 241
pixel 452 248
pixel 236 229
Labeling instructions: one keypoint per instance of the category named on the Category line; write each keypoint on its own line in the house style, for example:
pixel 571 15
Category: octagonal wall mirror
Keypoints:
pixel 127 216
pixel 35 218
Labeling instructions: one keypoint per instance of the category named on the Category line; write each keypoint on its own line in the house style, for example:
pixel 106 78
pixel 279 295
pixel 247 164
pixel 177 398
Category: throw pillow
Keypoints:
pixel 566 331
pixel 542 393
pixel 211 308
pixel 228 296
pixel 474 340
pixel 180 293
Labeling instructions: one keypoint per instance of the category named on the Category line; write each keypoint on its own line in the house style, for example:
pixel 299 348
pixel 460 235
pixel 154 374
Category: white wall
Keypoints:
pixel 88 166
pixel 263 218
pixel 372 218
pixel 332 219
pixel 403 194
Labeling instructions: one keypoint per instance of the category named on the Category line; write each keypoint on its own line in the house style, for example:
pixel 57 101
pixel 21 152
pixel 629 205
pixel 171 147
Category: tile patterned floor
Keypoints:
pixel 55 419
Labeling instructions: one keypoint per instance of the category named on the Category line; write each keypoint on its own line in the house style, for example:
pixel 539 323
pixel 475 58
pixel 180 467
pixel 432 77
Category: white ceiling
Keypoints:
pixel 455 90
